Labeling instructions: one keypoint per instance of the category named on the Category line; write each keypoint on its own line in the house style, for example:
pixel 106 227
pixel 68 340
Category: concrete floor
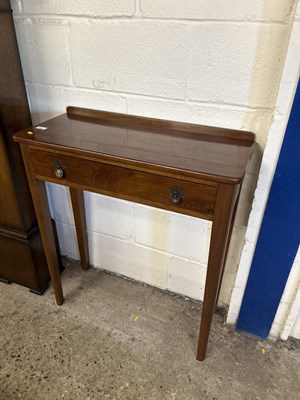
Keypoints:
pixel 94 347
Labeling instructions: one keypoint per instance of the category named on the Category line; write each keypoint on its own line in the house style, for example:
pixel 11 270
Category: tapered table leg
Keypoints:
pixel 227 247
pixel 77 199
pixel 40 202
pixel 222 222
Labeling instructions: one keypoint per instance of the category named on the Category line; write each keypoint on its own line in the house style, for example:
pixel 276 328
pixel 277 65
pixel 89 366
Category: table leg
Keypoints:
pixel 40 202
pixel 77 199
pixel 222 223
pixel 227 247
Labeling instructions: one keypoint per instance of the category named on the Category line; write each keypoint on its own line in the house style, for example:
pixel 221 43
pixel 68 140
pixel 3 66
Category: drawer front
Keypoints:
pixel 142 187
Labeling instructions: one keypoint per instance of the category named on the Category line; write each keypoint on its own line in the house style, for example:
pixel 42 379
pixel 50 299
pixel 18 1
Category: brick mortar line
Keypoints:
pixel 126 95
pixel 69 57
pixel 135 18
pixel 221 309
pixel 138 11
pixel 188 65
pixel 70 225
pixel 191 260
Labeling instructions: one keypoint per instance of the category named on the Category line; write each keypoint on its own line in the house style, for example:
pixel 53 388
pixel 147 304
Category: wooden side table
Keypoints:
pixel 188 169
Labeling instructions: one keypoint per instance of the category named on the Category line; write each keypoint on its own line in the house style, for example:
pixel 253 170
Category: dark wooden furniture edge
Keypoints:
pixel 21 250
pixel 5 7
pixel 21 235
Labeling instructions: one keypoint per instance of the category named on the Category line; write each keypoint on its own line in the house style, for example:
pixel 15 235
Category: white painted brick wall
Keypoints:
pixel 233 80
pixel 92 8
pixel 287 319
pixel 187 274
pixel 180 235
pixel 230 10
pixel 131 57
pixel 48 101
pixel 127 258
pixel 44 46
pixel 215 63
pixel 296 329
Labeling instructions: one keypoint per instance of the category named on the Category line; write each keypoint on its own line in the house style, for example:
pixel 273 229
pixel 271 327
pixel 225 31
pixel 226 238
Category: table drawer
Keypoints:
pixel 142 187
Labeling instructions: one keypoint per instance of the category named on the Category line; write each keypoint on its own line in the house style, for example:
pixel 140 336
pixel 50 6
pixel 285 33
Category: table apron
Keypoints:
pixel 126 183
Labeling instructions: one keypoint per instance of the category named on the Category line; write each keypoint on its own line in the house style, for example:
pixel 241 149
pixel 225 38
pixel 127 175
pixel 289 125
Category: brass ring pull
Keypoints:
pixel 176 194
pixel 175 198
pixel 59 172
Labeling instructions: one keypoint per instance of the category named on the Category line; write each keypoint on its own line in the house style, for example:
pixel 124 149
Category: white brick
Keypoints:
pixel 187 278
pixel 47 102
pixel 297 15
pixel 43 48
pixel 128 259
pixel 108 216
pixel 237 242
pixel 243 271
pixel 118 256
pixel 256 215
pixel 242 213
pixel 289 308
pixel 204 114
pixel 296 329
pixel 67 240
pixel 275 331
pixel 98 8
pixel 258 10
pixel 234 63
pixel 255 162
pixel 290 72
pixel 224 116
pixel 234 306
pixel 226 287
pixel 60 203
pixel 135 57
pixel 258 122
pixel 177 234
pixel 104 214
pixel 281 316
pixel 248 188
pixel 252 235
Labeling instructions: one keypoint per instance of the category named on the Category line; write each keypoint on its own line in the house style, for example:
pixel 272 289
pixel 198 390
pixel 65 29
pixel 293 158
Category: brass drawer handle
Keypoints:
pixel 59 172
pixel 175 198
pixel 176 194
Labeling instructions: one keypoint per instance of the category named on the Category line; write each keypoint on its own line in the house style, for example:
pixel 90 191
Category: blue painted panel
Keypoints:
pixel 278 239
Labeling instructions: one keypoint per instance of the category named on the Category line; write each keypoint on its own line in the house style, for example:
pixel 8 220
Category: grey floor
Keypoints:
pixel 115 339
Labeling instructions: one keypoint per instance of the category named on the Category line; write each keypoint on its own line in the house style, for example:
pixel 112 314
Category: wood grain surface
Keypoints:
pixel 150 143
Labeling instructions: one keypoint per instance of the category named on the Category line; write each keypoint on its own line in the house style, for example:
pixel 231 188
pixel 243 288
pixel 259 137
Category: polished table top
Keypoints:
pixel 201 151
